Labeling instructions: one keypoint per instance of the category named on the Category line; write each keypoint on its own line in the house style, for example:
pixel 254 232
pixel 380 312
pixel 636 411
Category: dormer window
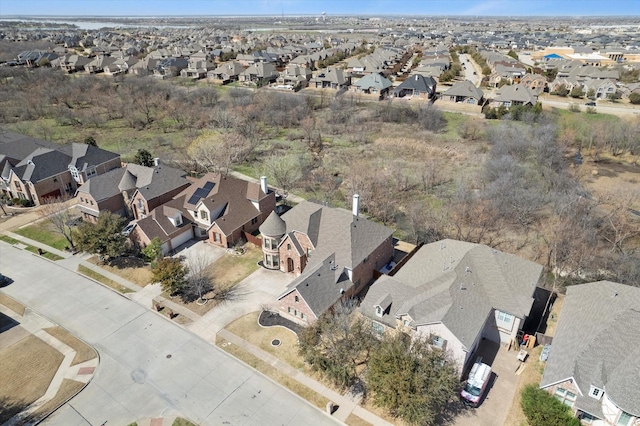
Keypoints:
pixel 595 392
pixel 91 171
pixel 379 311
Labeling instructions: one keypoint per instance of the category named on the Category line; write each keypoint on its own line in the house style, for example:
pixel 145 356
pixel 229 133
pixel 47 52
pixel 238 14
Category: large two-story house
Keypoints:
pixel 36 170
pixel 220 208
pixel 455 294
pixel 130 191
pixel 334 254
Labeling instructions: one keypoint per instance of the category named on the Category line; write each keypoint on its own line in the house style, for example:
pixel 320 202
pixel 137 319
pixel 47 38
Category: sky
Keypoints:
pixel 316 7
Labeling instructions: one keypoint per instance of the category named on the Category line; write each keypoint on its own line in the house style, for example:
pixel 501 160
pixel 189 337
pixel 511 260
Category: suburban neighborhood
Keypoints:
pixel 319 219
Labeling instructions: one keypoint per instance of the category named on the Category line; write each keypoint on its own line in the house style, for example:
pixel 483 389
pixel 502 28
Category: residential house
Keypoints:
pixel 98 63
pixel 295 76
pixel 372 84
pixel 455 294
pixel 535 82
pixel 330 78
pixel 333 253
pixel 464 92
pixel 594 365
pixel 120 65
pixel 601 88
pixel 517 94
pixel 170 67
pixel 132 190
pixel 260 72
pixel 49 171
pixel 416 85
pixel 227 72
pixel 170 223
pixel 197 68
pixel 223 208
pixel 143 67
pixel 72 63
pixel 35 58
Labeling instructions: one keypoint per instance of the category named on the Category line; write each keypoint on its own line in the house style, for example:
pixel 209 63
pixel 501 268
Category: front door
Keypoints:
pixel 289 265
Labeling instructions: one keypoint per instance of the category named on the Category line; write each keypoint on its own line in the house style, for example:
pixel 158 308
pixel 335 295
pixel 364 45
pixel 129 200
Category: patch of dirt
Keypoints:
pixel 611 177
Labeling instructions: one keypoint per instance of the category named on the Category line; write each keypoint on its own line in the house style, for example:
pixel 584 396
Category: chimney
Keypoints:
pixel 156 161
pixel 355 208
pixel 263 184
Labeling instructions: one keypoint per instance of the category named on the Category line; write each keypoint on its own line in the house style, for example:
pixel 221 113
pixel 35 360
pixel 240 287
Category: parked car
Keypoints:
pixel 590 104
pixel 127 229
pixel 4 280
pixel 476 383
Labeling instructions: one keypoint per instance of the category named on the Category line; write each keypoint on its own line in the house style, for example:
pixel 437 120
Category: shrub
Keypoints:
pixel 574 107
pixel 543 409
pixel 634 98
pixel 26 203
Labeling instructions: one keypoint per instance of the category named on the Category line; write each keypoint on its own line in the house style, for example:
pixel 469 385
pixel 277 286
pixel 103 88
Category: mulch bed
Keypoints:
pixel 269 319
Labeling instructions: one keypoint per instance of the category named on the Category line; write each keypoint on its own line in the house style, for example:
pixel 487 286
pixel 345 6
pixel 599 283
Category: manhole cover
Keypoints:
pixel 168 356
pixel 275 342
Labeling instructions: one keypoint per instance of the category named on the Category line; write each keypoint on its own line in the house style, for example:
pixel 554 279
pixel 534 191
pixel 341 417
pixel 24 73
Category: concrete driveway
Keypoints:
pixel 258 289
pixel 149 366
pixel 502 387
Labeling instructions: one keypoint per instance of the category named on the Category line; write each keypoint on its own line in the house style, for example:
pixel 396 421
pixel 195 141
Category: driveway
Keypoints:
pixel 257 290
pixel 149 366
pixel 502 388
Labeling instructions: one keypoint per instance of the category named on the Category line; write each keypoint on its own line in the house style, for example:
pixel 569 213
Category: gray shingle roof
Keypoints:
pixel 594 344
pixel 340 241
pixel 104 186
pixel 456 283
pixel 273 226
pixel 320 285
pixel 466 89
pixel 373 80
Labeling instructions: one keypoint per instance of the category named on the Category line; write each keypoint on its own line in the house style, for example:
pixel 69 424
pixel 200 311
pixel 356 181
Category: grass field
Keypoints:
pixel 129 268
pixel 43 233
pixel 104 280
pixel 248 328
pixel 84 352
pixel 16 307
pixel 27 369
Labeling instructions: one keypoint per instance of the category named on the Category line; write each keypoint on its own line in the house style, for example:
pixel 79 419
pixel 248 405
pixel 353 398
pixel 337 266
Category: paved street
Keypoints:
pixel 149 366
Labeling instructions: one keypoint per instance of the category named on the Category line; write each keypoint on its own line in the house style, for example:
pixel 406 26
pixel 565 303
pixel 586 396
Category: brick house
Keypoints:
pixel 593 363
pixel 223 208
pixel 334 253
pixel 35 170
pixel 133 190
pixel 169 222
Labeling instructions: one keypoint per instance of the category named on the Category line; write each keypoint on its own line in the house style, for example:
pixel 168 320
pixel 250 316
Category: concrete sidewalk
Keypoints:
pixel 346 405
pixel 145 296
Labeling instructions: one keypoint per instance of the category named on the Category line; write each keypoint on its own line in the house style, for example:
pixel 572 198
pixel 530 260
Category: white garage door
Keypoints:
pixel 181 239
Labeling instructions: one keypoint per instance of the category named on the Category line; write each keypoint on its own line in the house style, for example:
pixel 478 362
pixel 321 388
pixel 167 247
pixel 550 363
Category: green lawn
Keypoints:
pixel 43 233
pixel 8 239
pixel 30 248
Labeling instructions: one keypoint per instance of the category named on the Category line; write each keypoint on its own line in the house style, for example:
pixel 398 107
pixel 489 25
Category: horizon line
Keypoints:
pixel 576 16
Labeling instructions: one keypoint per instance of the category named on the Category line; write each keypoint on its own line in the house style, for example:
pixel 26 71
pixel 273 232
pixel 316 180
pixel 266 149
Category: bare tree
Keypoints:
pixel 285 170
pixel 57 211
pixel 198 281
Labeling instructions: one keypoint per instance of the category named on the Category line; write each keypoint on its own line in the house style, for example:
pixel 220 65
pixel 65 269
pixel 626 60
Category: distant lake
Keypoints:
pixel 86 25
